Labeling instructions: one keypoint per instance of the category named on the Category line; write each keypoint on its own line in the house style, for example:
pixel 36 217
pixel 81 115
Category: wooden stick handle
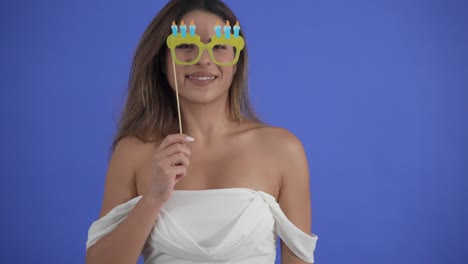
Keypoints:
pixel 177 96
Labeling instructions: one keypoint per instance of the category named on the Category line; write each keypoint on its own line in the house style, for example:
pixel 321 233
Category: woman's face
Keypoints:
pixel 204 81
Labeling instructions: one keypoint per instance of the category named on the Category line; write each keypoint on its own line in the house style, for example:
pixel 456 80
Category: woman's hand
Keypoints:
pixel 169 165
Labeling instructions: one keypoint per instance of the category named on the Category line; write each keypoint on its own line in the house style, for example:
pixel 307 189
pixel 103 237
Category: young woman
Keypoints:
pixel 221 191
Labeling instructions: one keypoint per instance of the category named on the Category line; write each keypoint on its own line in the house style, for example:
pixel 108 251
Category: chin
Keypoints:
pixel 202 98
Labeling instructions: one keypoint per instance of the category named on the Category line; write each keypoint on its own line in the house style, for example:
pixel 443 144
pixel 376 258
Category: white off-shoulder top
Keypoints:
pixel 233 225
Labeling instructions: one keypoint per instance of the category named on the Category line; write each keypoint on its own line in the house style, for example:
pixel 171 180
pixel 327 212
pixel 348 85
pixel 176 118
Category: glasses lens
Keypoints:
pixel 186 52
pixel 223 53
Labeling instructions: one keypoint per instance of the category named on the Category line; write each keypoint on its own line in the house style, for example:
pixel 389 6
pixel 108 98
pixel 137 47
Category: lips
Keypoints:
pixel 201 78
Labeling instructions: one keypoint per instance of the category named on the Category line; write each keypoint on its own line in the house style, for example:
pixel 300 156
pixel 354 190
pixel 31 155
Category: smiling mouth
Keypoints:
pixel 201 78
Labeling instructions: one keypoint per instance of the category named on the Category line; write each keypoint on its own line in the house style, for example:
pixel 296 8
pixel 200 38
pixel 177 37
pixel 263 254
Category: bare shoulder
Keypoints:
pixel 281 145
pixel 134 149
pixel 283 141
pixel 120 176
pixel 287 153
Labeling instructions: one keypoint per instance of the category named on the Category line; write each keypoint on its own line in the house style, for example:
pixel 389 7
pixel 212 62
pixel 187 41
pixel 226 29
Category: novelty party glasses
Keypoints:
pixel 224 49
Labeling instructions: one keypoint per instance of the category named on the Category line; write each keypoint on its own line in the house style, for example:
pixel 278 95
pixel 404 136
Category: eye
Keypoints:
pixel 219 46
pixel 185 46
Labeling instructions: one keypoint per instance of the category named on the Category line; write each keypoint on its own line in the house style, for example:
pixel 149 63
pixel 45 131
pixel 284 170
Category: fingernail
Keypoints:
pixel 191 139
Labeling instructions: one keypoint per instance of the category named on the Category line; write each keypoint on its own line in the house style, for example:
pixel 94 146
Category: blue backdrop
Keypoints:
pixel 376 91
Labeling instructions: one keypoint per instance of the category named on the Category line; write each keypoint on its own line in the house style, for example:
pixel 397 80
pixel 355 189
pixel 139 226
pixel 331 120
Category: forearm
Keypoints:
pixel 125 243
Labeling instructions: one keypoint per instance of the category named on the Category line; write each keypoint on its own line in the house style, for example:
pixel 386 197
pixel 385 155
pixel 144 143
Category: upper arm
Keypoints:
pixel 294 197
pixel 120 176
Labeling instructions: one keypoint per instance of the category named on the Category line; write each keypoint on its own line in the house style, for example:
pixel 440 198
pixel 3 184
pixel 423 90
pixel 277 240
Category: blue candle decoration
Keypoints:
pixel 192 28
pixel 183 29
pixel 236 29
pixel 218 29
pixel 227 30
pixel 174 29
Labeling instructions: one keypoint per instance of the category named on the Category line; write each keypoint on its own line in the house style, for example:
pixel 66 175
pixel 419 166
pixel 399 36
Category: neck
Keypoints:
pixel 207 123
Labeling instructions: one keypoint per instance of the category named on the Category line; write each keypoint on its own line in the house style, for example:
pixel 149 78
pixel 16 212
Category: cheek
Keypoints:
pixel 227 77
pixel 233 72
pixel 228 73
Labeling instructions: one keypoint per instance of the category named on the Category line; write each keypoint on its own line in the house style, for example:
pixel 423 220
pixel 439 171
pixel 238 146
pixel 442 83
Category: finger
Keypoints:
pixel 179 177
pixel 178 159
pixel 175 138
pixel 173 149
pixel 178 171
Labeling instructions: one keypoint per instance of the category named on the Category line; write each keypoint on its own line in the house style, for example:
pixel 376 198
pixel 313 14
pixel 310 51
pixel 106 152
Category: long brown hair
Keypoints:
pixel 150 112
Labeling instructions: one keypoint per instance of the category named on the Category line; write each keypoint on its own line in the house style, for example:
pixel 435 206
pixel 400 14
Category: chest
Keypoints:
pixel 223 167
pixel 233 166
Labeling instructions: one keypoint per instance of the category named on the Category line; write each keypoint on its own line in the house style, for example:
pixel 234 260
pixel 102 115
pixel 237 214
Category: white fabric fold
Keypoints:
pixel 110 221
pixel 242 222
pixel 300 243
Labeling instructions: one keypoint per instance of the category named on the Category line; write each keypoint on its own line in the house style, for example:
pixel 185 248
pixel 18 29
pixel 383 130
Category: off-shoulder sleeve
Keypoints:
pixel 109 222
pixel 300 243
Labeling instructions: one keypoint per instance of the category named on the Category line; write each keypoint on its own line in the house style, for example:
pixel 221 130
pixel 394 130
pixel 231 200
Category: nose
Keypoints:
pixel 205 58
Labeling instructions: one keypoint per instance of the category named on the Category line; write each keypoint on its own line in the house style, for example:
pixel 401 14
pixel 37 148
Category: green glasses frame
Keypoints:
pixel 174 41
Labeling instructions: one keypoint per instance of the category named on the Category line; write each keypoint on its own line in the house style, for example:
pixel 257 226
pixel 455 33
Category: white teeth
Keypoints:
pixel 202 78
